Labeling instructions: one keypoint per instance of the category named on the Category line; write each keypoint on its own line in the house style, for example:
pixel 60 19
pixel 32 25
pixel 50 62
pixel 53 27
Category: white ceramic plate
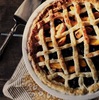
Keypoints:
pixel 29 67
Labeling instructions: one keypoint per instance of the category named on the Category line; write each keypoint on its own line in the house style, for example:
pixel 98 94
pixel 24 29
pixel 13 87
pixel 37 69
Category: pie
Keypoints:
pixel 63 46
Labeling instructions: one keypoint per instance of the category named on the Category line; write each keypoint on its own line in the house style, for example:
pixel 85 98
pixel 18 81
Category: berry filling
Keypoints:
pixel 74 83
pixel 90 30
pixel 93 48
pixel 96 62
pixel 80 48
pixel 53 55
pixel 57 22
pixel 67 52
pixel 88 81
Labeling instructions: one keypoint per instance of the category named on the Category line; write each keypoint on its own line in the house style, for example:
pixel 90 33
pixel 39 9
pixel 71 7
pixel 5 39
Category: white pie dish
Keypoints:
pixel 30 69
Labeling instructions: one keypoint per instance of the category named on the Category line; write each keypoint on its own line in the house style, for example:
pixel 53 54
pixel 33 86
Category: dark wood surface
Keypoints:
pixel 13 52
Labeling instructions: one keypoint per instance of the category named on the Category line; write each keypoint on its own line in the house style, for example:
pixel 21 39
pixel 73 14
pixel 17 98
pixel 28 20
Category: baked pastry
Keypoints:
pixel 63 46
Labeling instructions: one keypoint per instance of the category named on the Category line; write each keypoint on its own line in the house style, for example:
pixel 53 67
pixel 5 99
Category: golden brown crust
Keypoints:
pixel 71 21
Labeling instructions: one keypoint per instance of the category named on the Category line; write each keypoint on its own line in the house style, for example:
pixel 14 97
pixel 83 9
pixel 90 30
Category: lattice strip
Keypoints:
pixel 45 49
pixel 73 41
pixel 89 61
pixel 55 45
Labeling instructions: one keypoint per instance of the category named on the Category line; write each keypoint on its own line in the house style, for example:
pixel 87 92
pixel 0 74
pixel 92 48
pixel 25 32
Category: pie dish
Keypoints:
pixel 62 45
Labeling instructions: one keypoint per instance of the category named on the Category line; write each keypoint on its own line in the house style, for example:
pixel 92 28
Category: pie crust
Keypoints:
pixel 63 46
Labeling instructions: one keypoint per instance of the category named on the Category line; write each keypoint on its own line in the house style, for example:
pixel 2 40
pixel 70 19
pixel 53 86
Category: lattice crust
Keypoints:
pixel 63 46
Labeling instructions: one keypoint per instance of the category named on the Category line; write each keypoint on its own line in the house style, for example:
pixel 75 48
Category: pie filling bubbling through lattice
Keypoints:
pixel 64 46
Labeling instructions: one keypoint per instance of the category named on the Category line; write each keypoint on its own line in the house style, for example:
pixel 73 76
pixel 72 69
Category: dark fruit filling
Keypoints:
pixel 88 81
pixel 39 48
pixel 68 39
pixel 74 83
pixel 53 55
pixel 67 52
pixel 82 15
pixel 85 69
pixel 45 70
pixel 70 63
pixel 72 18
pixel 98 24
pixel 61 10
pixel 90 30
pixel 96 62
pixel 82 6
pixel 94 10
pixel 47 33
pixel 93 48
pixel 70 66
pixel 57 22
pixel 47 30
pixel 96 13
pixel 80 47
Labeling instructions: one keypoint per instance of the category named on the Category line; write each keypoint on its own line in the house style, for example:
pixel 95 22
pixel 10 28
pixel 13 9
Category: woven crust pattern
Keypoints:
pixel 59 22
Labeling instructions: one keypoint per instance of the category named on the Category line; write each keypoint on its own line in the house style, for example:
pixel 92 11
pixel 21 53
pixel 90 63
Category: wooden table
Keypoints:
pixel 13 52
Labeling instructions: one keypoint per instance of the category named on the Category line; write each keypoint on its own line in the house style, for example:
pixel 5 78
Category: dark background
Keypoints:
pixel 13 52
